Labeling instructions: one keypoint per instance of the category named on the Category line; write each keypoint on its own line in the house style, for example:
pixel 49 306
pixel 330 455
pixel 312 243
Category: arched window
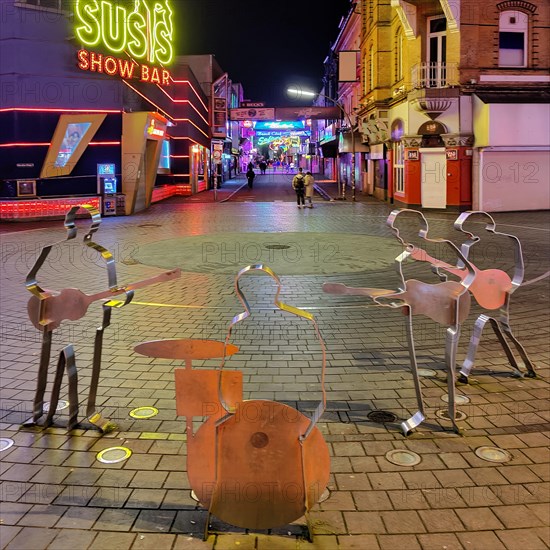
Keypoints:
pixel 399 56
pixel 397 131
pixel 365 75
pixel 513 29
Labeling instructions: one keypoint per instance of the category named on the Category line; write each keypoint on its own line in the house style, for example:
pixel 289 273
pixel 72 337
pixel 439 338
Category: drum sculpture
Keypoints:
pixel 48 309
pixel 256 464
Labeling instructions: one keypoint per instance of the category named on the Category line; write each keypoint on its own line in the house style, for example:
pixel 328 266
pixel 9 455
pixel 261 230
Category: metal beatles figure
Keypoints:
pixel 253 463
pixel 446 303
pixel 47 310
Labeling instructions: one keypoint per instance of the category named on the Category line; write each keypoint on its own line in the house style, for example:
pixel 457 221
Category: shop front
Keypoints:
pixel 82 101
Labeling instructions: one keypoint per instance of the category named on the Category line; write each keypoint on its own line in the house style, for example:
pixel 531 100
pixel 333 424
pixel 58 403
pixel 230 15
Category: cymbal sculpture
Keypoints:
pixel 492 289
pixel 47 309
pixel 256 464
pixel 447 303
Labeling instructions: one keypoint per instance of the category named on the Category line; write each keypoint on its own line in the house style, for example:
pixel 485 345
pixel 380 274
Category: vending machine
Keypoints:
pixel 106 187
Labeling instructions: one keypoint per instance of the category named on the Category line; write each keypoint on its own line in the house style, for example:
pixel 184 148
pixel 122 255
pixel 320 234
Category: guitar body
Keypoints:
pixel 70 303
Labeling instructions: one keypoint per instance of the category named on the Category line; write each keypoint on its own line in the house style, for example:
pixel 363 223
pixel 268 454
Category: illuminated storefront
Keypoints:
pixel 101 85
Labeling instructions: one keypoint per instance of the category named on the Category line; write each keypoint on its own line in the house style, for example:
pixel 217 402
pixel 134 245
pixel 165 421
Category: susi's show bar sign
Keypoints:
pixel 145 34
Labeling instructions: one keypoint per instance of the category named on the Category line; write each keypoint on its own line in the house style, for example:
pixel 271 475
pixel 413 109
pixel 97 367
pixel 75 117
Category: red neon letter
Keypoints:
pixel 155 79
pixel 110 65
pixel 126 68
pixel 96 62
pixel 144 73
pixel 83 62
pixel 165 77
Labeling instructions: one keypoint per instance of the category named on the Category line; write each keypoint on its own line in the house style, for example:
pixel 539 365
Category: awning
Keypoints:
pixel 329 148
pixel 345 144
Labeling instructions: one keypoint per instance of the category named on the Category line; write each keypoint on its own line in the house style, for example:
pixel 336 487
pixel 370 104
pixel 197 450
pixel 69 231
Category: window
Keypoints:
pixel 365 73
pixel 371 68
pixel 399 56
pixel 398 167
pixel 512 39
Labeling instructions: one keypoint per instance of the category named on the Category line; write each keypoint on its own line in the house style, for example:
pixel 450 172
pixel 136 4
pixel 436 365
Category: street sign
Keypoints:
pixel 252 114
pixel 252 104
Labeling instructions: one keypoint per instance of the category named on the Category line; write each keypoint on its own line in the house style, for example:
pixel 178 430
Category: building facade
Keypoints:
pixel 91 111
pixel 454 102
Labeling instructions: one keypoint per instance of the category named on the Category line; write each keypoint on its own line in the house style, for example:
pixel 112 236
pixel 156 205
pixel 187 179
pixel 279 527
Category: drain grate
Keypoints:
pixel 381 417
pixel 277 246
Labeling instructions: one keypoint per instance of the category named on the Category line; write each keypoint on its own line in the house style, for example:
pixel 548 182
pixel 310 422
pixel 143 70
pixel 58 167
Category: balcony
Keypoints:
pixel 434 75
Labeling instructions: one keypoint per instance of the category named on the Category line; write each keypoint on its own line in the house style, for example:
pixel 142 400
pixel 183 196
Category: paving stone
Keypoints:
pixel 153 541
pixel 441 520
pixel 69 539
pixel 358 542
pixel 348 482
pixel 521 538
pixel 448 541
pixel 42 516
pixel 391 542
pixel 8 533
pixel 477 519
pixel 361 522
pixel 32 537
pixel 106 539
pixel 116 520
pixel 154 521
pixel 480 540
pixel 79 518
pixel 402 522
pixel 145 498
pixel 516 517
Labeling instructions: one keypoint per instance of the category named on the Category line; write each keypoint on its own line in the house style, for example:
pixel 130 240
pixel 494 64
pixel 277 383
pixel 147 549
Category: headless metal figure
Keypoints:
pixel 492 289
pixel 446 303
pixel 47 310
pixel 253 463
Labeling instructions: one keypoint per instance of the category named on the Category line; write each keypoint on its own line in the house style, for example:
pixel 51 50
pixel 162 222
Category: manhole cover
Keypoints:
pixel 493 454
pixel 459 399
pixel 5 443
pixel 277 246
pixel 427 372
pixel 112 455
pixel 61 405
pixel 149 225
pixel 144 412
pixel 402 457
pixel 444 413
pixel 381 417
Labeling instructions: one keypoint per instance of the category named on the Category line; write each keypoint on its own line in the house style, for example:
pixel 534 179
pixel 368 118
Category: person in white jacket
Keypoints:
pixel 309 181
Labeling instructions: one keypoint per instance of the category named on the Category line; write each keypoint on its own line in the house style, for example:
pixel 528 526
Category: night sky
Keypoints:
pixel 266 46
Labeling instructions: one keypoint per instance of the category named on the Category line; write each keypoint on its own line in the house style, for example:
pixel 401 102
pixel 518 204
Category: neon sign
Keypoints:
pixel 146 32
pixel 153 131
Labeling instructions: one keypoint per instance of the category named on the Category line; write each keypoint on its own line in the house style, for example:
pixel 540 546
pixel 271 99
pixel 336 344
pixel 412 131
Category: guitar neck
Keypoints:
pixel 163 277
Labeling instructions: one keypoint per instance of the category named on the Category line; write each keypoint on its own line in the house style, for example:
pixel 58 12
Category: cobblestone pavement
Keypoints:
pixel 56 494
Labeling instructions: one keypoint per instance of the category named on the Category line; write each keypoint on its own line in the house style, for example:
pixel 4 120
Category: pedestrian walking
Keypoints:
pixel 263 166
pixel 308 182
pixel 298 184
pixel 250 175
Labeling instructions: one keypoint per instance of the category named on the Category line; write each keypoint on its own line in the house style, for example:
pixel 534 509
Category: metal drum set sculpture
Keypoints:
pixel 260 464
pixel 256 464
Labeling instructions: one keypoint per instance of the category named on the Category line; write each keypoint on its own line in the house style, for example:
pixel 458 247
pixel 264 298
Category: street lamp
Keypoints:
pixel 299 93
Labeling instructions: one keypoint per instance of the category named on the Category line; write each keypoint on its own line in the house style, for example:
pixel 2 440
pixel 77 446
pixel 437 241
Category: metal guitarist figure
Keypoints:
pixel 47 310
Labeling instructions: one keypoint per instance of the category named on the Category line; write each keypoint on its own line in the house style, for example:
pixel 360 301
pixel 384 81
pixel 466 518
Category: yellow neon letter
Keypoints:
pixel 113 26
pixel 86 13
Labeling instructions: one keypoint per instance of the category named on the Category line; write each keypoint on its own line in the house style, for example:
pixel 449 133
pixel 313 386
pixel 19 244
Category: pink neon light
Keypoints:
pixel 36 109
pixel 147 99
pixel 191 86
pixel 25 144
pixel 104 142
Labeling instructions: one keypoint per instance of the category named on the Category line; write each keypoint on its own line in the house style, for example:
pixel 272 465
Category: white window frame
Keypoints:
pixel 399 56
pixel 399 167
pixel 521 26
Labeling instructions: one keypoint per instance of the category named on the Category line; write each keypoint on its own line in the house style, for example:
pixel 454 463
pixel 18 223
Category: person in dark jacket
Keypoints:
pixel 250 175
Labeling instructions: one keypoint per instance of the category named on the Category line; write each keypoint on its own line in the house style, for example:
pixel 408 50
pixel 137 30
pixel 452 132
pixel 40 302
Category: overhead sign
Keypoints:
pixel 252 104
pixel 298 113
pixel 252 114
pixel 145 32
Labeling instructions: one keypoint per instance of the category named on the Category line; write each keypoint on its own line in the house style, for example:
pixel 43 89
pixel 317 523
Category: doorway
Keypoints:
pixel 433 178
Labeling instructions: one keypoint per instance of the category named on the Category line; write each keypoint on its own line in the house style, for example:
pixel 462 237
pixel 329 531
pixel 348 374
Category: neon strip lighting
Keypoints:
pixel 67 110
pixel 104 143
pixel 182 175
pixel 25 144
pixel 183 101
pixel 179 156
pixel 192 87
pixel 147 99
pixel 190 139
pixel 191 122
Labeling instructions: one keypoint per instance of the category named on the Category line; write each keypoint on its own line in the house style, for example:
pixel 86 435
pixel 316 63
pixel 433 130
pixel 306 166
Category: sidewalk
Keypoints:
pixel 56 494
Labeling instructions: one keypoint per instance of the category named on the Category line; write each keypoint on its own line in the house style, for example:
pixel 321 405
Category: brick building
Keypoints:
pixel 454 102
